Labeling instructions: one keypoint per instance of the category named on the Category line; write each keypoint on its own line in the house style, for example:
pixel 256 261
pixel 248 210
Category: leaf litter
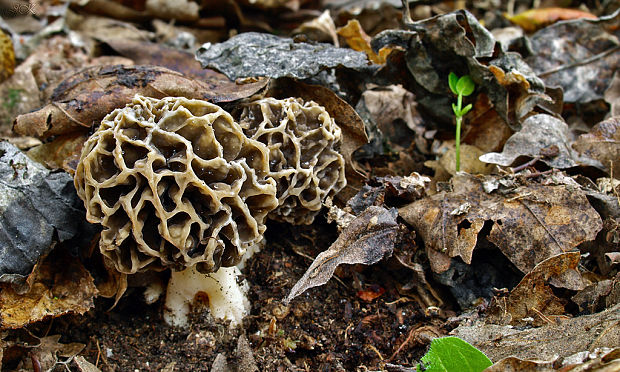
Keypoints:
pixel 521 245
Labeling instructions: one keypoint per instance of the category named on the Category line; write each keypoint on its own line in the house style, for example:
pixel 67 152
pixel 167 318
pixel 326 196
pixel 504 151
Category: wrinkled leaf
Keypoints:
pixel 529 225
pixel 598 360
pixel 447 354
pixel 321 28
pixel 539 135
pixel 62 153
pixel 252 54
pixel 564 338
pixel 36 205
pixel 80 101
pixel 603 144
pixel 458 42
pixel 366 240
pixel 532 297
pixel 58 285
pixel 535 19
pixel 562 54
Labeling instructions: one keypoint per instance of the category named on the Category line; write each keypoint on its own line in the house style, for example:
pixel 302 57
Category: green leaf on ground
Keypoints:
pixel 449 354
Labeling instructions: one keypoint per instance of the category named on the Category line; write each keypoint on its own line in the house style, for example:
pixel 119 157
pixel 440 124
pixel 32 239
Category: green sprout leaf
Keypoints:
pixel 466 109
pixel 452 80
pixel 449 354
pixel 465 86
pixel 456 110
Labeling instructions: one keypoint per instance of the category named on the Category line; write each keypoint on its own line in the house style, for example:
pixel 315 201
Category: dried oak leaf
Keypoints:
pixel 532 224
pixel 603 144
pixel 533 297
pixel 580 56
pixel 58 285
pixel 366 240
pixel 83 99
pixel 539 134
pixel 253 54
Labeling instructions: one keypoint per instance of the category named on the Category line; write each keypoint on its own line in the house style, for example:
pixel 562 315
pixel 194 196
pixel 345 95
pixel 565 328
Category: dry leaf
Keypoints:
pixel 603 144
pixel 357 39
pixel 80 101
pixel 366 240
pixel 535 19
pixel 532 297
pixel 533 223
pixel 539 134
pixel 58 285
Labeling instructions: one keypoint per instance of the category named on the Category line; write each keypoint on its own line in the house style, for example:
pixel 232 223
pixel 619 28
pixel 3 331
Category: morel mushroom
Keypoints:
pixel 304 157
pixel 174 183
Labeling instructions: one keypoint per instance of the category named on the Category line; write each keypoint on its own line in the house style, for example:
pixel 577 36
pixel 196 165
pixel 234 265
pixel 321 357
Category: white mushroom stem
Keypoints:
pixel 227 297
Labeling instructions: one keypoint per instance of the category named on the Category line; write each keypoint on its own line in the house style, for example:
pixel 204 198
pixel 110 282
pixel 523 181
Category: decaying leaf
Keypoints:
pixel 321 28
pixel 597 360
pixel 366 240
pixel 603 144
pixel 357 39
pixel 36 205
pixel 83 99
pixel 532 301
pixel 252 54
pixel 61 153
pixel 58 285
pixel 529 225
pixel 563 338
pixel 580 56
pixel 542 136
pixel 38 354
pixel 145 53
pixel 612 95
pixel 535 19
pixel 457 42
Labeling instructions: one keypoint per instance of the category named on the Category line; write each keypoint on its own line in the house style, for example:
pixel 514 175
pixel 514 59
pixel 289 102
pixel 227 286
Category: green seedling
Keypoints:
pixel 451 354
pixel 461 86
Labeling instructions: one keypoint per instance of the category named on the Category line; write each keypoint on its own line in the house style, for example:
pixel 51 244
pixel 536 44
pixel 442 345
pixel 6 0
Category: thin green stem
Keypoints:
pixel 458 142
pixel 459 118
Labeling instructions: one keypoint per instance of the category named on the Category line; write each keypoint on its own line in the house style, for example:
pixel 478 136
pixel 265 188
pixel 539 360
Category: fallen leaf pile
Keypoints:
pixel 517 254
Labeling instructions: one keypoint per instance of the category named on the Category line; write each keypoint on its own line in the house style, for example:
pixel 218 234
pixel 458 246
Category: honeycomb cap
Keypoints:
pixel 304 156
pixel 174 183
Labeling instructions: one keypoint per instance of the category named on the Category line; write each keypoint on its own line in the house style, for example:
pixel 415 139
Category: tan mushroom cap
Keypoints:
pixel 174 183
pixel 304 156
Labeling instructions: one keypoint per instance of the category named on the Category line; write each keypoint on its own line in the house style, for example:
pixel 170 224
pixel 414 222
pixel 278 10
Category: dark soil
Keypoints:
pixel 329 328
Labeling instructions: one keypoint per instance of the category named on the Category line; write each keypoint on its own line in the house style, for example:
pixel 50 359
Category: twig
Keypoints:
pixel 580 63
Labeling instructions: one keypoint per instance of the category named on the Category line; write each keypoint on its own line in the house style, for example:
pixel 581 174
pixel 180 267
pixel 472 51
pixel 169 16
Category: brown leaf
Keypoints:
pixel 603 144
pixel 62 153
pixel 83 99
pixel 58 285
pixel 563 338
pixel 353 131
pixel 145 53
pixel 533 297
pixel 533 223
pixel 366 240
pixel 535 19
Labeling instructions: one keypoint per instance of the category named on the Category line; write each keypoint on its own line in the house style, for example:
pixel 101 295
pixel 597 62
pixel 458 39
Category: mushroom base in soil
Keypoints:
pixel 226 295
pixel 180 184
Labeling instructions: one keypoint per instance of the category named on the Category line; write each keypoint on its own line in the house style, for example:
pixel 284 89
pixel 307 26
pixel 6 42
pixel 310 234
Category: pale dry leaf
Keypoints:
pixel 366 240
